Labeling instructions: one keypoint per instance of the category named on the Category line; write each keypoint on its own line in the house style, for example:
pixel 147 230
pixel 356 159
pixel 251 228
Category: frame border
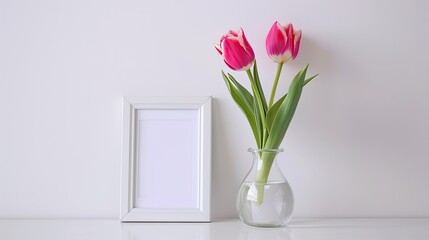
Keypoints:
pixel 131 104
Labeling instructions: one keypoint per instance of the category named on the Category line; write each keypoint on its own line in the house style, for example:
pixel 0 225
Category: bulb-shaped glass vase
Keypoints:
pixel 265 198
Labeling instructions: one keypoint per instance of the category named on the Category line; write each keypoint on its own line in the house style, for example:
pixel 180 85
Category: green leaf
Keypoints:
pixel 309 79
pixel 259 125
pixel 272 111
pixel 286 111
pixel 259 87
pixel 260 102
pixel 244 92
pixel 245 102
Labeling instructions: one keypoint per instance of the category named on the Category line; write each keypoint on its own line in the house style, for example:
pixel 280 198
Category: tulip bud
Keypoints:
pixel 236 50
pixel 282 42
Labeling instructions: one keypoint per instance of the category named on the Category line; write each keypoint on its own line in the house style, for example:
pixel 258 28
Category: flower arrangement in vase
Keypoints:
pixel 269 120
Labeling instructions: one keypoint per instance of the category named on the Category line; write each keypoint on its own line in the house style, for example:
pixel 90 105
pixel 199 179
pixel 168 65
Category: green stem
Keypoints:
pixel 276 81
pixel 267 159
pixel 259 101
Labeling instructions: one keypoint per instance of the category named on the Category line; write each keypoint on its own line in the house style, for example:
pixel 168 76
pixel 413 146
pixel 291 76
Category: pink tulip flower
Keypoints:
pixel 282 42
pixel 236 50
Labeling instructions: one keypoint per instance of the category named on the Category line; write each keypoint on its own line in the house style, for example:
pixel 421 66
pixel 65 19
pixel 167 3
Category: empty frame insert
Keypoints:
pixel 166 159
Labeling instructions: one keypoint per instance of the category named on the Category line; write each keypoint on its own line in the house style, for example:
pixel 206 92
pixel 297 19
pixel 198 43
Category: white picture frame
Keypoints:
pixel 166 159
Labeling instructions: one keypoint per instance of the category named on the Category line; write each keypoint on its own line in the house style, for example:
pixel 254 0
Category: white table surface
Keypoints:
pixel 299 229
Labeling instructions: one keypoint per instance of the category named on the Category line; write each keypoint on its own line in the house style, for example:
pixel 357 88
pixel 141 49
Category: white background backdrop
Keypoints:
pixel 358 145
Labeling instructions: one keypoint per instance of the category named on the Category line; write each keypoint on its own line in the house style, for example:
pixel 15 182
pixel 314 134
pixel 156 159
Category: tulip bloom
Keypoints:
pixel 282 42
pixel 236 50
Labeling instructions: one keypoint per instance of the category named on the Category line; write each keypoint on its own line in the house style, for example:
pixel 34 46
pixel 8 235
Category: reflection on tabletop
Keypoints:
pixel 298 229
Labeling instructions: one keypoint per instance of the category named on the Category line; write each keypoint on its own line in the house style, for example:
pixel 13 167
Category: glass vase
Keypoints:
pixel 265 198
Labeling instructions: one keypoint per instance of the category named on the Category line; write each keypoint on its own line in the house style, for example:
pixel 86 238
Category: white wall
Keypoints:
pixel 358 145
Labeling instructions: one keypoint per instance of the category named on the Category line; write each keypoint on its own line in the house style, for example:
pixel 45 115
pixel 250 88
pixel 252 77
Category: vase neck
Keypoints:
pixel 265 164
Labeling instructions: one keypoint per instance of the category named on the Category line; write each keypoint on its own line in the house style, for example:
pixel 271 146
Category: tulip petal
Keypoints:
pixel 235 56
pixel 245 44
pixel 296 43
pixel 232 33
pixel 276 40
pixel 230 66
pixel 232 52
pixel 218 48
